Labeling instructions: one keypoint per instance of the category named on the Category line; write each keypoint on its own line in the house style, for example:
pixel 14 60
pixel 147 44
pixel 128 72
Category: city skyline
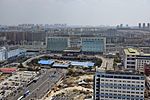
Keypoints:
pixel 74 12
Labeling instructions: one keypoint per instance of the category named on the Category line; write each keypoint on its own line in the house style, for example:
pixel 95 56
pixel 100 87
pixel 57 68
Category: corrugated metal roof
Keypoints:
pixel 8 70
pixel 46 62
pixel 84 64
pixel 60 65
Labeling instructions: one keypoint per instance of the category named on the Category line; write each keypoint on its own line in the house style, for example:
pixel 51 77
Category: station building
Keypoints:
pixel 76 43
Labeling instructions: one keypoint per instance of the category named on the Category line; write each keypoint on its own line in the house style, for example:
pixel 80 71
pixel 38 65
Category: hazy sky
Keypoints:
pixel 75 12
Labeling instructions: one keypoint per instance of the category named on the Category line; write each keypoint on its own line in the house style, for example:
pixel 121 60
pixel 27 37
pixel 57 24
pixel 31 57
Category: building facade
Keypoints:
pixel 93 44
pixel 3 53
pixel 134 59
pixel 129 58
pixel 57 43
pixel 141 60
pixel 118 86
pixel 147 69
pixel 86 43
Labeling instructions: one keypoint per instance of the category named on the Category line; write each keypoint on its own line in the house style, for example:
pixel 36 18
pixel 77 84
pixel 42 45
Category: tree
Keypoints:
pixel 98 62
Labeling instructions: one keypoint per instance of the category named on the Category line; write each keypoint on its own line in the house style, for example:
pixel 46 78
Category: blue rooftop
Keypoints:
pixel 84 64
pixel 46 62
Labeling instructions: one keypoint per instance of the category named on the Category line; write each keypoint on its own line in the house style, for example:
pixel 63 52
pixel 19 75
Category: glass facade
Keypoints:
pixel 93 44
pixel 57 43
pixel 86 44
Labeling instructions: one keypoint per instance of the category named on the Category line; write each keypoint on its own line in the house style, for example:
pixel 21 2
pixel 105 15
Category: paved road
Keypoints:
pixel 44 83
pixel 106 63
pixel 51 78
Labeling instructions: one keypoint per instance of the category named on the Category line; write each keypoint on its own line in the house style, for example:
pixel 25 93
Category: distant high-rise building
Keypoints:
pixel 112 85
pixel 148 25
pixel 121 25
pixel 144 25
pixel 139 25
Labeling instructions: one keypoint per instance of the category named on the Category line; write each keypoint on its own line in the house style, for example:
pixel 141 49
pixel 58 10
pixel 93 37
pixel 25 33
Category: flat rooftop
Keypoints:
pixel 85 64
pixel 131 51
pixel 61 65
pixel 121 72
pixel 72 49
pixel 46 62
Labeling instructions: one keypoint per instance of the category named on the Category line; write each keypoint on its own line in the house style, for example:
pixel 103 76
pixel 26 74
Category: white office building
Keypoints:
pixel 3 53
pixel 118 86
pixel 134 59
pixel 130 56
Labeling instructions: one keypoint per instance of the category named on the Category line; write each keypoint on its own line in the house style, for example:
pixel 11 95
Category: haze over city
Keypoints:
pixel 74 12
pixel 74 50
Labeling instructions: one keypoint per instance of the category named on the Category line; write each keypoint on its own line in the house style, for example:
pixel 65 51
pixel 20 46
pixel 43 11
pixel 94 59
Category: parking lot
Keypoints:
pixel 15 83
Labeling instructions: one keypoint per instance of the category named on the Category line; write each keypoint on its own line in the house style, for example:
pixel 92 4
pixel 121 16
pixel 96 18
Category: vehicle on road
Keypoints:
pixel 35 79
pixel 20 98
pixel 26 93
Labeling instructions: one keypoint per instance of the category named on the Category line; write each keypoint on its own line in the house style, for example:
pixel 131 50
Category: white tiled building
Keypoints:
pixel 118 86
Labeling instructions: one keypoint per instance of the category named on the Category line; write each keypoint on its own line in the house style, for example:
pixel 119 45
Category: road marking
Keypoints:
pixel 38 87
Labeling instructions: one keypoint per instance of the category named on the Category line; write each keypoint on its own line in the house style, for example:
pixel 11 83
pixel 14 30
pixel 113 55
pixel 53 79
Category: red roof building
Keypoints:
pixel 8 70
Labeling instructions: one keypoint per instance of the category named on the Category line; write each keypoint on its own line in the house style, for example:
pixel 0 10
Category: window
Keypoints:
pixel 128 81
pixel 132 88
pixel 128 91
pixel 119 87
pixel 141 92
pixel 128 85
